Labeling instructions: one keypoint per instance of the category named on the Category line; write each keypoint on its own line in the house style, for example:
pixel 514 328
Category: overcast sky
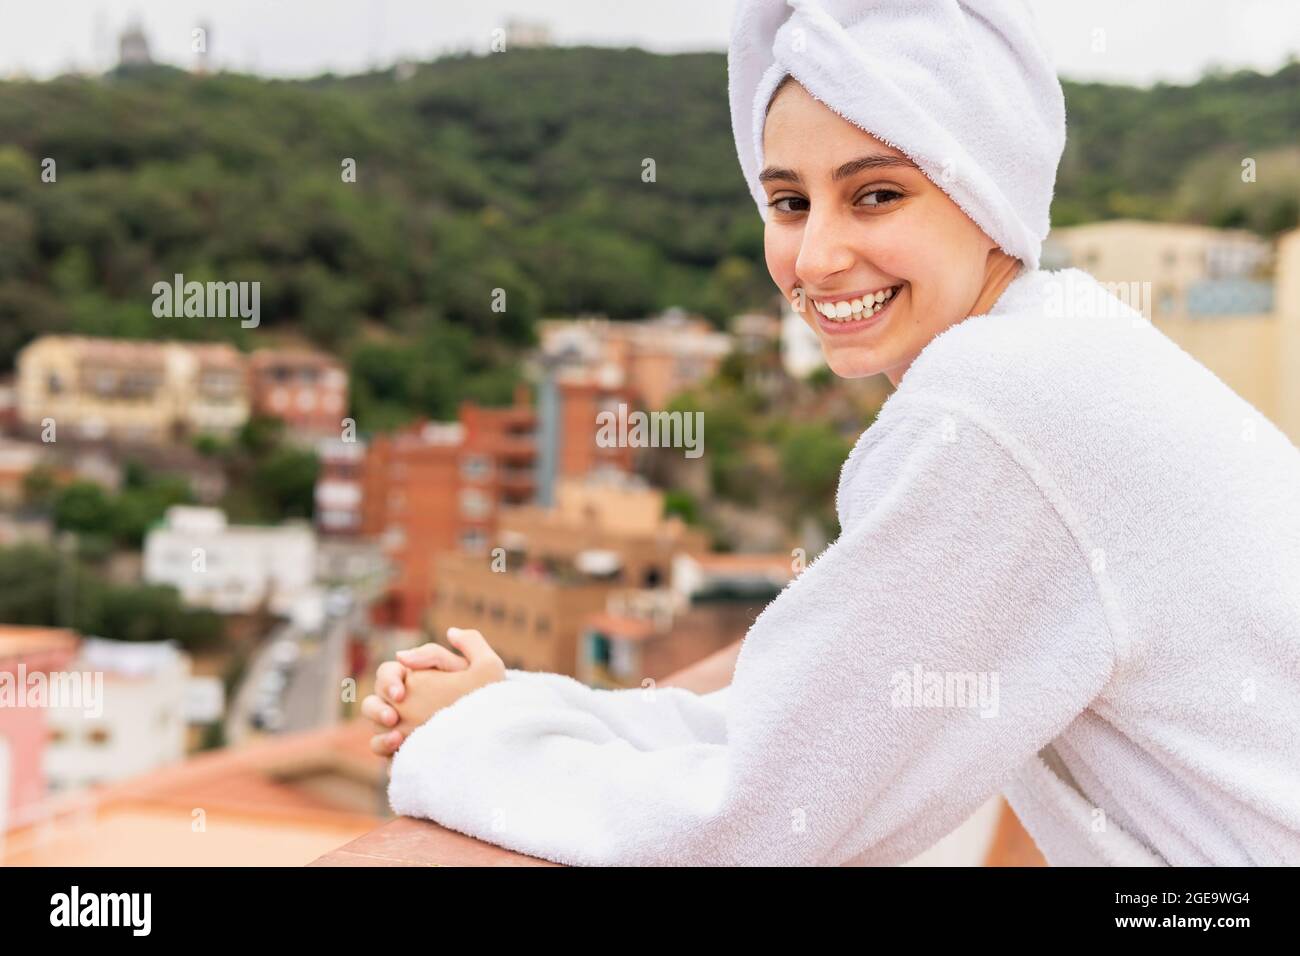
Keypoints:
pixel 1144 40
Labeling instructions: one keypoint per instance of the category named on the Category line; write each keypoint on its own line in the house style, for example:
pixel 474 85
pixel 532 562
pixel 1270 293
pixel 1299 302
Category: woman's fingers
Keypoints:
pixel 471 643
pixel 373 708
pixel 390 681
pixel 386 744
pixel 432 656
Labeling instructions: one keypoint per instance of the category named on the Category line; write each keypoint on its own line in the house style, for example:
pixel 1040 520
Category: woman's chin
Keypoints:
pixel 848 361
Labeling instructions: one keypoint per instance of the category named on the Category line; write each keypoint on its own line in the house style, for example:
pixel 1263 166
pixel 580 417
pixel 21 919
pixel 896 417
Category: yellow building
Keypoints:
pixel 552 568
pixel 135 391
pixel 1226 296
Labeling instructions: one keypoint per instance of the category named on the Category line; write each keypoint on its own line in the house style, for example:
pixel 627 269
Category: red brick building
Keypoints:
pixel 438 487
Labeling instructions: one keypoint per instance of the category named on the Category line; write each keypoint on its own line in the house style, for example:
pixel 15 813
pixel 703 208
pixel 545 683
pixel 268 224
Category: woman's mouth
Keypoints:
pixel 853 313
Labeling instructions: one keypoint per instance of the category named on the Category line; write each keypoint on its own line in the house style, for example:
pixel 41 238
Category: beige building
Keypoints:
pixel 1228 297
pixel 128 390
pixel 655 359
pixel 550 569
pixel 646 636
pixel 532 620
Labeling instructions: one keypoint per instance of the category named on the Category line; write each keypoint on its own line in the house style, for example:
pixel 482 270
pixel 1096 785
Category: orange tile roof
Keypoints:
pixel 247 795
pixel 719 563
pixel 622 627
pixel 18 640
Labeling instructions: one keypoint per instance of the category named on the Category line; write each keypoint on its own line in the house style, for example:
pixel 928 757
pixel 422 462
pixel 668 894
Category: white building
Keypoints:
pixel 801 350
pixel 230 569
pixel 130 717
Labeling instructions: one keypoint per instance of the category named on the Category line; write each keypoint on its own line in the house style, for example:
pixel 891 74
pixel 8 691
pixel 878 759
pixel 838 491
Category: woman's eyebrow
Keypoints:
pixel 778 173
pixel 874 161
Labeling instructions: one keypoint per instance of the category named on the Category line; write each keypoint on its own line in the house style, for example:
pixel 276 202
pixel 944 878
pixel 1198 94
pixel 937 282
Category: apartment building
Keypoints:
pixel 131 391
pixel 1230 298
pixel 438 487
pixel 139 723
pixel 643 636
pixel 231 569
pixel 339 489
pixel 307 390
pixel 551 568
pixel 655 359
pixel 24 723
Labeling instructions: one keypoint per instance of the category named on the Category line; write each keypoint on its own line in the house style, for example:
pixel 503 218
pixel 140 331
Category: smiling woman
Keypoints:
pixel 1057 505
pixel 855 222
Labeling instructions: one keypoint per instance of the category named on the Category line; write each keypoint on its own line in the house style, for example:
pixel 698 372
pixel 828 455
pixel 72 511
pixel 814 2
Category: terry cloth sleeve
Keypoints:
pixel 952 630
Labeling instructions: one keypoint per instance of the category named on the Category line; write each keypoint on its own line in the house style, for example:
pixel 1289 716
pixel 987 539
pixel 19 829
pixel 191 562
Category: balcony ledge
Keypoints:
pixel 409 842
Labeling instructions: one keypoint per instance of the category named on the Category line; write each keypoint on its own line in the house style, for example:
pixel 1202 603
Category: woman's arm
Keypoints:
pixel 951 631
pixel 710 674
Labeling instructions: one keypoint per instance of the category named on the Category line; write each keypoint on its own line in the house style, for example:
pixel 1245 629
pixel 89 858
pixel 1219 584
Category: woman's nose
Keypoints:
pixel 824 251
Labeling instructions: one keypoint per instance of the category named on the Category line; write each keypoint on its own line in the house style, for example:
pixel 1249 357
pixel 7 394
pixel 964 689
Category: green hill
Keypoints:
pixel 520 171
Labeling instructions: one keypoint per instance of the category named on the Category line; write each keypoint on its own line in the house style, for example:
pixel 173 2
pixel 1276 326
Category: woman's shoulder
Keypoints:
pixel 1048 329
pixel 1063 349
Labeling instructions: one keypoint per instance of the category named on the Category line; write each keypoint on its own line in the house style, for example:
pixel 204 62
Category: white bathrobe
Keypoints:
pixel 1062 534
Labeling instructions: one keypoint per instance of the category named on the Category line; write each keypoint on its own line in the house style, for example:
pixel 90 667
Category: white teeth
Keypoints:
pixel 849 309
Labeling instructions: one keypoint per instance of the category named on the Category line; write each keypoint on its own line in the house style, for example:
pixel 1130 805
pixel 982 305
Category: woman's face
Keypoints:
pixel 852 219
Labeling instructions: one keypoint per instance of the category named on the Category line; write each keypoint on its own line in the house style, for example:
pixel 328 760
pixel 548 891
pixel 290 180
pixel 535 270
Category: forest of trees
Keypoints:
pixel 519 171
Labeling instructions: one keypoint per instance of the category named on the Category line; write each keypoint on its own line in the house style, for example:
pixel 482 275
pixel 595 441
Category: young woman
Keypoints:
pixel 1069 566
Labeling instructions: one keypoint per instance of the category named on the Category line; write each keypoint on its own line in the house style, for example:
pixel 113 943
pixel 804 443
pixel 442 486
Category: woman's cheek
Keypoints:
pixel 781 250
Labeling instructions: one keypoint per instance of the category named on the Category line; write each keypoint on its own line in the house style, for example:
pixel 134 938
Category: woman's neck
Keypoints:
pixel 999 272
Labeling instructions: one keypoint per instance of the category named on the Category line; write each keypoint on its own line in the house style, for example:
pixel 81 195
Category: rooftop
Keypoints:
pixel 281 801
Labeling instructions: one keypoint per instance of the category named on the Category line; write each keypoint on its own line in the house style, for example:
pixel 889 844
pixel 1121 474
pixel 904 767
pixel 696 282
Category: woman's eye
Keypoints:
pixel 777 204
pixel 888 195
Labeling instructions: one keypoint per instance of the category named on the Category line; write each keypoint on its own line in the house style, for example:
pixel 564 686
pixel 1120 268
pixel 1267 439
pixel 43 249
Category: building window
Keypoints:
pixel 473 541
pixel 474 503
pixel 1168 300
pixel 623 662
pixel 475 467
pixel 217 385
